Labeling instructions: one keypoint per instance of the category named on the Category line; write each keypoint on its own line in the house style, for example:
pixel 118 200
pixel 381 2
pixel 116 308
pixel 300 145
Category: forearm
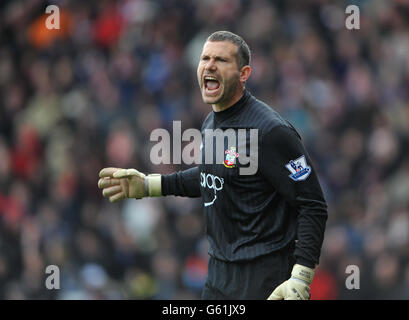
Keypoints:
pixel 182 183
pixel 311 222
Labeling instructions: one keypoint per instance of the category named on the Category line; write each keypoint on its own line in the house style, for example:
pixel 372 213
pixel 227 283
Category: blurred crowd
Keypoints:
pixel 76 99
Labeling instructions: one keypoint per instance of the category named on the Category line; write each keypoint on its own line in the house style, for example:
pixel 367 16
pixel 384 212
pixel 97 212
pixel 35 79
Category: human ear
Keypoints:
pixel 245 73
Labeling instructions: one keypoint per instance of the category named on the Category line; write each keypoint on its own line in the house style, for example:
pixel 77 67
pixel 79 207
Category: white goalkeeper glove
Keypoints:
pixel 297 287
pixel 118 184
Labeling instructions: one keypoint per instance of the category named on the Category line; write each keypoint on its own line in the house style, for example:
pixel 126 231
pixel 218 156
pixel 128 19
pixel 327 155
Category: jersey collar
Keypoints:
pixel 230 111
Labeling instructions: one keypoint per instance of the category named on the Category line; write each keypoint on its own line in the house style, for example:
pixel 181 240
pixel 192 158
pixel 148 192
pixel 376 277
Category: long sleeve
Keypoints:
pixel 182 183
pixel 284 162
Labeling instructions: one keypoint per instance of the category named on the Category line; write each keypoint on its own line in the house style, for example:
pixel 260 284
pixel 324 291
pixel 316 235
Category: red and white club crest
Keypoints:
pixel 230 159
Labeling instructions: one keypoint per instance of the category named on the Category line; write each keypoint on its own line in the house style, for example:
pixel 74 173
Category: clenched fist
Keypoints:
pixel 118 184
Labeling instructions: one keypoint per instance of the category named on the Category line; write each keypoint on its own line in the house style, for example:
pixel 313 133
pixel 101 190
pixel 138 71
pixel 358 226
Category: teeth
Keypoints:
pixel 210 78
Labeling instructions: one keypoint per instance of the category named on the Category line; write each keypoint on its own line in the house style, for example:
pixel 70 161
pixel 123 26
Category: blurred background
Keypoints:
pixel 88 95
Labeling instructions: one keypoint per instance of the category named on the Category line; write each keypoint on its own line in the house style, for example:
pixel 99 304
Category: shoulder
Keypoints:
pixel 267 119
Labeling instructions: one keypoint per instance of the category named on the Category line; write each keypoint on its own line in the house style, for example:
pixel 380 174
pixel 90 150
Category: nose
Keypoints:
pixel 210 65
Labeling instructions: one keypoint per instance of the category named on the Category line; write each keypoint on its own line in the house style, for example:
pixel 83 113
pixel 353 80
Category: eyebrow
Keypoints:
pixel 216 57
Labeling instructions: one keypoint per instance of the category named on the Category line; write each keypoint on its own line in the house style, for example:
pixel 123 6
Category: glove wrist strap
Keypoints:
pixel 303 273
pixel 153 185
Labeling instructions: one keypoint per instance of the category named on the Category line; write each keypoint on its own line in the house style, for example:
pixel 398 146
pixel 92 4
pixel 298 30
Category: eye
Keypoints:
pixel 220 59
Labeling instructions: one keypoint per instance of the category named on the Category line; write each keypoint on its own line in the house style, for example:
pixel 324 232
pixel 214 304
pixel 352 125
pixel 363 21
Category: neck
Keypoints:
pixel 223 106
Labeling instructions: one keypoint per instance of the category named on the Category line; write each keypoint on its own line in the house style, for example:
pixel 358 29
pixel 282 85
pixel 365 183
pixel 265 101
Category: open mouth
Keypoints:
pixel 211 85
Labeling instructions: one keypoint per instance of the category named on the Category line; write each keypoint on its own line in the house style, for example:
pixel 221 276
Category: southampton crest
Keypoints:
pixel 230 159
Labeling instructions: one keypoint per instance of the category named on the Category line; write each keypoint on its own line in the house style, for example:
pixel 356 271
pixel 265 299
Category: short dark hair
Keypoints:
pixel 243 51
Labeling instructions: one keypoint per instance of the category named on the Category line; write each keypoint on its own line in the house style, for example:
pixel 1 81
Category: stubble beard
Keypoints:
pixel 229 89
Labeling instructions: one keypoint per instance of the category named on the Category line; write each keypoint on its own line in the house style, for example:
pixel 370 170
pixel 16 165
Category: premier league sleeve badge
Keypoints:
pixel 299 169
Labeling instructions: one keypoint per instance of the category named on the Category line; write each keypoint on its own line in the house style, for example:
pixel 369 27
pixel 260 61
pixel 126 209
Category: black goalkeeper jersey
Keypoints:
pixel 250 215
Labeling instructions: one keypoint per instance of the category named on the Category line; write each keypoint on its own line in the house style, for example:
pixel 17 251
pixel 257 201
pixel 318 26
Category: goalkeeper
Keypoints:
pixel 265 229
